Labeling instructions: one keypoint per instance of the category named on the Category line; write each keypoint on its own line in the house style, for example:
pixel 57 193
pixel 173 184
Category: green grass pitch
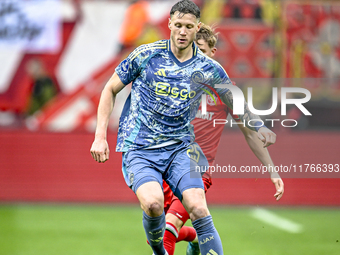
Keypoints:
pixel 30 229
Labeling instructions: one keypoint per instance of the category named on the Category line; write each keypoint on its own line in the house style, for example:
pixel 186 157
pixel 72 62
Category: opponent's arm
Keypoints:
pixel 100 149
pixel 263 155
pixel 267 136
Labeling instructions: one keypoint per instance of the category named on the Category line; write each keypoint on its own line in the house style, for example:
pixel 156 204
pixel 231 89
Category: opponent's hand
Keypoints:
pixel 100 150
pixel 279 188
pixel 267 136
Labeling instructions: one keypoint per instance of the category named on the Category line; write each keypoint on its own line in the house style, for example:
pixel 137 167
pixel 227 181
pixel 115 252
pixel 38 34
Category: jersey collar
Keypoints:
pixel 194 46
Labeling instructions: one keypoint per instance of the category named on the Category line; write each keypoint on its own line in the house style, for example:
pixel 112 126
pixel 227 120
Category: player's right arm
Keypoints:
pixel 100 148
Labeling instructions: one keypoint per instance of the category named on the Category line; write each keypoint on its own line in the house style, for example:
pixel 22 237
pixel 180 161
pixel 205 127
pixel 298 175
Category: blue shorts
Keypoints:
pixel 177 164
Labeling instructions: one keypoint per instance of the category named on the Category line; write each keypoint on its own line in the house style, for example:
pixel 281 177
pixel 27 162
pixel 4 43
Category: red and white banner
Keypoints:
pixel 30 25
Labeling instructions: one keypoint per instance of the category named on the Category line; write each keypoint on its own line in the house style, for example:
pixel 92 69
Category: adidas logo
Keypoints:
pixel 212 252
pixel 160 72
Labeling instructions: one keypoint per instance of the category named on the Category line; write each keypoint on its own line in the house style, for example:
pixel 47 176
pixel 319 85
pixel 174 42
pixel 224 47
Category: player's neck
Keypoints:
pixel 182 55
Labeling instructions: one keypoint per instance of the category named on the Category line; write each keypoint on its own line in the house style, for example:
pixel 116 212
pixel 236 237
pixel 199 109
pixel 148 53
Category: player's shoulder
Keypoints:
pixel 158 44
pixel 150 48
pixel 212 63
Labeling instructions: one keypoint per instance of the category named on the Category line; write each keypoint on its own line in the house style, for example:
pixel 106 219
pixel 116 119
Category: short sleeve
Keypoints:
pixel 129 69
pixel 221 78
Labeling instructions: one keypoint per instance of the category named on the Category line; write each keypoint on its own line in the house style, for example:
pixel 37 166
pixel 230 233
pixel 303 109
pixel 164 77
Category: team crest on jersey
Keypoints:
pixel 210 100
pixel 125 65
pixel 197 77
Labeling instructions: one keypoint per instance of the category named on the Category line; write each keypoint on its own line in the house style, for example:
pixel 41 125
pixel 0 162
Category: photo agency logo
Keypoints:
pixel 239 102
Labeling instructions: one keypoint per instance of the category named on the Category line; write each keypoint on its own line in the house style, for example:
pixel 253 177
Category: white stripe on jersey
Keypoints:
pixel 148 47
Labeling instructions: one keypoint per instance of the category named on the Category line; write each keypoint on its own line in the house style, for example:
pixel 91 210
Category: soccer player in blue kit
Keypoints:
pixel 155 134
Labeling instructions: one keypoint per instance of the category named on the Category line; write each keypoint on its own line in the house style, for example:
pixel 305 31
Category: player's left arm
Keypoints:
pixel 263 155
pixel 267 136
pixel 264 134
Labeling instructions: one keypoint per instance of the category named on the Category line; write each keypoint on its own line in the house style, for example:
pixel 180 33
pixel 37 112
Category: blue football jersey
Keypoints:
pixel 165 94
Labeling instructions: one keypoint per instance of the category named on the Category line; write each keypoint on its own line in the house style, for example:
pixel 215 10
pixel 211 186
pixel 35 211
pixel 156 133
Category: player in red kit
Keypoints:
pixel 208 138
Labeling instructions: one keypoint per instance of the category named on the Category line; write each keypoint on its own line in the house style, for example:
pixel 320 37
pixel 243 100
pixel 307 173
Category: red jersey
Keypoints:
pixel 206 135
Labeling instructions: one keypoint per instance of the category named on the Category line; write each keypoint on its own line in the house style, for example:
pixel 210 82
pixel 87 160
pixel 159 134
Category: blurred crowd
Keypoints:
pixel 267 39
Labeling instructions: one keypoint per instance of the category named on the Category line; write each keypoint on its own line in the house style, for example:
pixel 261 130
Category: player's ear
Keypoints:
pixel 199 26
pixel 169 24
pixel 213 51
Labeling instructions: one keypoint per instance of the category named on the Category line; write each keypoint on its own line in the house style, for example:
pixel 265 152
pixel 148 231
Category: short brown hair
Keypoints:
pixel 208 34
pixel 184 7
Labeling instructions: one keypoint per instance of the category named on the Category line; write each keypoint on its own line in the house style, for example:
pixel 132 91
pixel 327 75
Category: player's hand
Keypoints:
pixel 267 136
pixel 279 188
pixel 100 150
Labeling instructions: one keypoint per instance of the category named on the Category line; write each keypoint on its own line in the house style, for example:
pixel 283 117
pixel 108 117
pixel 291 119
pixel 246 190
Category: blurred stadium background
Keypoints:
pixel 55 57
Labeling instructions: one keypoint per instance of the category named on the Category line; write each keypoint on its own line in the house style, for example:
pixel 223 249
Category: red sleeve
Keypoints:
pixel 235 117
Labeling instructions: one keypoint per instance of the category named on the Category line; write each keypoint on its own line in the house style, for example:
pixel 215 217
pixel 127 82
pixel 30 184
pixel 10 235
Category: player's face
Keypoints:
pixel 183 29
pixel 204 47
